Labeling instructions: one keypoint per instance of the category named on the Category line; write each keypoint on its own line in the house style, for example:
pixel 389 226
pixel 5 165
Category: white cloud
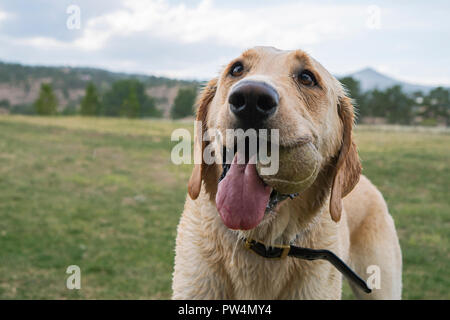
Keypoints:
pixel 41 42
pixel 286 26
pixel 4 15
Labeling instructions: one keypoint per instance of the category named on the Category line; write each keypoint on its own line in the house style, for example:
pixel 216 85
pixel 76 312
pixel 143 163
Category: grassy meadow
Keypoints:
pixel 103 194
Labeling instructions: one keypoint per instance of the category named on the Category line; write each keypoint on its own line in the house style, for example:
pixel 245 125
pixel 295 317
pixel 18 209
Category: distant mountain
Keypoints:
pixel 370 79
pixel 19 84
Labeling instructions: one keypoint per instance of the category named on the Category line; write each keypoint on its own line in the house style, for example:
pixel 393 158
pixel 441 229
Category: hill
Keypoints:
pixel 371 79
pixel 19 84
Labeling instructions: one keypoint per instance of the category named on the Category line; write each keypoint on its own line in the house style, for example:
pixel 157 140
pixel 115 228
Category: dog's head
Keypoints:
pixel 266 88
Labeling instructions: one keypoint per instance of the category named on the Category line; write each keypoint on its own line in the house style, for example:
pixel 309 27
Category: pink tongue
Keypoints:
pixel 242 197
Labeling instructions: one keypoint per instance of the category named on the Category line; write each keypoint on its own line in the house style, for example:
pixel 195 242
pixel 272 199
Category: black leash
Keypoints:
pixel 278 252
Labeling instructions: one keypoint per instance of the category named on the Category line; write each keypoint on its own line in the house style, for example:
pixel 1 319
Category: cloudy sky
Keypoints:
pixel 409 40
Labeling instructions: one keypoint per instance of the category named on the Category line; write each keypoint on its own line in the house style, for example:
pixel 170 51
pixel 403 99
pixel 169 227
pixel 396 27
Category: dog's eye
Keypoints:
pixel 306 78
pixel 237 69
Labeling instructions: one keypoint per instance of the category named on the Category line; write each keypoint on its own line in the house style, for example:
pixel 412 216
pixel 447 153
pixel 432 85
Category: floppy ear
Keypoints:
pixel 348 167
pixel 195 182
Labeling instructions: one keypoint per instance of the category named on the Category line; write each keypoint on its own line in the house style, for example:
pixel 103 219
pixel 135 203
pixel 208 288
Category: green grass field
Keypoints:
pixel 102 194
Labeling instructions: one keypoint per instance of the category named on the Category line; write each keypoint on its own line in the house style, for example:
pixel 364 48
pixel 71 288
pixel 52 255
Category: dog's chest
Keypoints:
pixel 255 277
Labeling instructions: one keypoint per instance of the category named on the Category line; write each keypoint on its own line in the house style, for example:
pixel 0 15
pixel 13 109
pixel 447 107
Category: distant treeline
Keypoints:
pixel 125 98
pixel 396 107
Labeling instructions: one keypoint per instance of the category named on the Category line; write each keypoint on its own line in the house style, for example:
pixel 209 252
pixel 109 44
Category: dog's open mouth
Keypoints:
pixel 242 197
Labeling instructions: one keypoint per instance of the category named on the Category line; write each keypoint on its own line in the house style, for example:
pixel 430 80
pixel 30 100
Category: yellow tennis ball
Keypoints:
pixel 298 169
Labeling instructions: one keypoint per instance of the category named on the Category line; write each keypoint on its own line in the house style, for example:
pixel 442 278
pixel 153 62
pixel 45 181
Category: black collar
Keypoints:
pixel 279 252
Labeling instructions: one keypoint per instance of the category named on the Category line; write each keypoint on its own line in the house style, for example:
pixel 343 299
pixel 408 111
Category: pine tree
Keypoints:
pixel 438 105
pixel 90 105
pixel 47 103
pixel 184 103
pixel 131 107
pixel 127 98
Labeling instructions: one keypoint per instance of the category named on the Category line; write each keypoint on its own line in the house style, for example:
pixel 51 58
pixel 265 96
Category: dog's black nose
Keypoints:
pixel 253 101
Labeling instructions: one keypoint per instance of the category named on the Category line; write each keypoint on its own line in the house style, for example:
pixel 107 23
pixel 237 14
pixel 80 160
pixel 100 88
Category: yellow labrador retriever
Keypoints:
pixel 341 211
